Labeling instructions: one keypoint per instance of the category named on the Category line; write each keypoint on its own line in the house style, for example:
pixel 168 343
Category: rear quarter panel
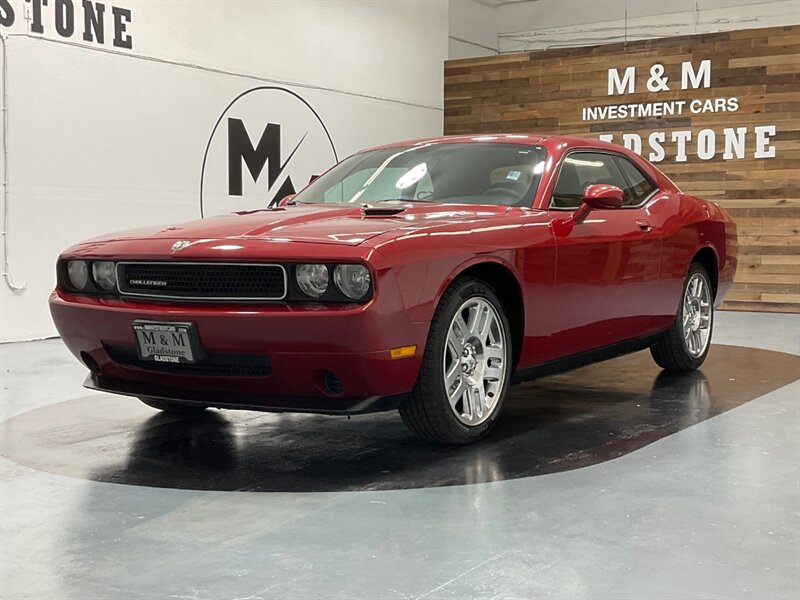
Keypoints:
pixel 694 224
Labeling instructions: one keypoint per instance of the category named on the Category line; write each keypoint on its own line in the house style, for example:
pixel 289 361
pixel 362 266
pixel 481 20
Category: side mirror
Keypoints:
pixel 286 200
pixel 596 196
pixel 603 196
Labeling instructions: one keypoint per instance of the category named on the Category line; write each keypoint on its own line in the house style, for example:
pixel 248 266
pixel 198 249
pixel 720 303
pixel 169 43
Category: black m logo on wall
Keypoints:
pixel 266 153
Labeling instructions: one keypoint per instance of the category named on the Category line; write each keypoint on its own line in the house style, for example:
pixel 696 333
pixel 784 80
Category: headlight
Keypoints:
pixel 105 274
pixel 78 272
pixel 312 279
pixel 352 280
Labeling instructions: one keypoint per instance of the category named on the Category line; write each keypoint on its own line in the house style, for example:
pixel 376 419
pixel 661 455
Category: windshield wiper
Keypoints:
pixel 402 200
pixel 362 203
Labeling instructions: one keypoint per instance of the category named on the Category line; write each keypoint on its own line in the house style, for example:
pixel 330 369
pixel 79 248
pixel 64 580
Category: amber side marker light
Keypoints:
pixel 403 351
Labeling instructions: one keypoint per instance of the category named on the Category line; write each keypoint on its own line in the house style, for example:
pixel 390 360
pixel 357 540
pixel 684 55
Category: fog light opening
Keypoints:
pixel 90 363
pixel 329 382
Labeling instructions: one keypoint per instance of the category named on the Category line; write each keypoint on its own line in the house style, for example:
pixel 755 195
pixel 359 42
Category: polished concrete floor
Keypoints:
pixel 610 482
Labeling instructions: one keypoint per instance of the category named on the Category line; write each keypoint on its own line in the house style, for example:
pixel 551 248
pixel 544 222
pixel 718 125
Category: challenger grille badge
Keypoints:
pixel 180 245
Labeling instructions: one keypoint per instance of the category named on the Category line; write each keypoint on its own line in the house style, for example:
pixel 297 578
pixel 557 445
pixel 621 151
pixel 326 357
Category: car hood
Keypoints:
pixel 315 223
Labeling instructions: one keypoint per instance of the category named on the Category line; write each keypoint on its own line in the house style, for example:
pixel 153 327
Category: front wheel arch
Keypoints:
pixel 506 285
pixel 429 410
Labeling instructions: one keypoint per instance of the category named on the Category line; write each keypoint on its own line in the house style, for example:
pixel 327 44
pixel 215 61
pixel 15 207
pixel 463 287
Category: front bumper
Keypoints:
pixel 301 345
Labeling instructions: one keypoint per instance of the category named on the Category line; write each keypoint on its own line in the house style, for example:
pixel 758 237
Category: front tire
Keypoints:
pixel 172 407
pixel 685 346
pixel 466 367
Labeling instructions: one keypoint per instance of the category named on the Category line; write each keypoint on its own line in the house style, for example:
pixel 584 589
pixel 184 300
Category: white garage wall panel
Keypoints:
pixel 102 138
pixel 473 29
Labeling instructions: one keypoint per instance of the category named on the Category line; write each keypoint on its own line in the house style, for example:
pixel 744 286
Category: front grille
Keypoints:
pixel 202 281
pixel 214 365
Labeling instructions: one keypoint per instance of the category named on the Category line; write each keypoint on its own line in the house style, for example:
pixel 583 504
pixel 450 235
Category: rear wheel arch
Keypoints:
pixel 707 257
pixel 683 346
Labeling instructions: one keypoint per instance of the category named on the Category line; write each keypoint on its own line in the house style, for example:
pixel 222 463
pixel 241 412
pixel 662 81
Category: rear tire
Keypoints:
pixel 173 407
pixel 685 346
pixel 466 367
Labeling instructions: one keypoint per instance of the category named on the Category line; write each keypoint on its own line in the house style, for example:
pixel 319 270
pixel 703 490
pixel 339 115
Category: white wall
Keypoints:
pixel 102 138
pixel 473 29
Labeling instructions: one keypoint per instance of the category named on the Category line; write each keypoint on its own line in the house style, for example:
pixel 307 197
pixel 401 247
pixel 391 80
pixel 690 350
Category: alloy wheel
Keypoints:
pixel 475 356
pixel 696 315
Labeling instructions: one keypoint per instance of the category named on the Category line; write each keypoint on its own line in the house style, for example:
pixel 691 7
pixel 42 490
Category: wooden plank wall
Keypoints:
pixel 545 92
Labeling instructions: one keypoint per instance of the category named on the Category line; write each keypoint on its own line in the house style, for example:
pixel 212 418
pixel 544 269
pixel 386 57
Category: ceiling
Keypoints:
pixel 497 3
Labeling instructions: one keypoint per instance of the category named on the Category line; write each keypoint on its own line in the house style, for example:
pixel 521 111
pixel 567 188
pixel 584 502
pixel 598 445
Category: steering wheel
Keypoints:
pixel 502 189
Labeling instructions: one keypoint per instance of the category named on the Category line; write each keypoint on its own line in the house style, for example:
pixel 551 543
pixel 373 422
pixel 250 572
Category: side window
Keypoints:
pixel 578 171
pixel 638 187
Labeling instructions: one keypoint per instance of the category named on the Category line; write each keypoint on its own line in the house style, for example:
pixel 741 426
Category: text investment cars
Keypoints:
pixel 423 276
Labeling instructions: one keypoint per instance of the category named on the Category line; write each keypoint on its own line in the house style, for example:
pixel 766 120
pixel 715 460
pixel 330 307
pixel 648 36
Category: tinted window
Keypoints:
pixel 578 171
pixel 637 186
pixel 468 173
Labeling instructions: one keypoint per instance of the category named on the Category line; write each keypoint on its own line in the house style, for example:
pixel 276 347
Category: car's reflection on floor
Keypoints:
pixel 557 423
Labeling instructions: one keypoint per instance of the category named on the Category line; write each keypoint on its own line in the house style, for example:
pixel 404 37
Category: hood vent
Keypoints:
pixel 381 211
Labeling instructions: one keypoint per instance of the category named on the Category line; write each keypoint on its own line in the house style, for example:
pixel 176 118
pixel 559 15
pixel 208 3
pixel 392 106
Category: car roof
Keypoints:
pixel 532 139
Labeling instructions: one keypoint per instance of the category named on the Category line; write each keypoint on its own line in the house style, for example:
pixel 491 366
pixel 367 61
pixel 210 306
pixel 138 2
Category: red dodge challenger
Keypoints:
pixel 425 276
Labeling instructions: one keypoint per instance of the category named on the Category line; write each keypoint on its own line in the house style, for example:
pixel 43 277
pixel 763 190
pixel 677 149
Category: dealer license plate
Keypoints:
pixel 166 342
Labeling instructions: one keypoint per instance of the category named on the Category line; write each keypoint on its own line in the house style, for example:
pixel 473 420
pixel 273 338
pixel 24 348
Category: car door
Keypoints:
pixel 607 266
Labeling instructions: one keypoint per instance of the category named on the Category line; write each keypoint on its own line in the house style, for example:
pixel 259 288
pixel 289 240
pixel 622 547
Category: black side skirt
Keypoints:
pixel 576 361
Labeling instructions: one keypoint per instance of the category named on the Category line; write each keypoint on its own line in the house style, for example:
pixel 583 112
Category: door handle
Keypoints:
pixel 644 226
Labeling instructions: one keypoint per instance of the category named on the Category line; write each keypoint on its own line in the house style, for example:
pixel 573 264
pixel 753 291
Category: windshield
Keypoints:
pixel 469 173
